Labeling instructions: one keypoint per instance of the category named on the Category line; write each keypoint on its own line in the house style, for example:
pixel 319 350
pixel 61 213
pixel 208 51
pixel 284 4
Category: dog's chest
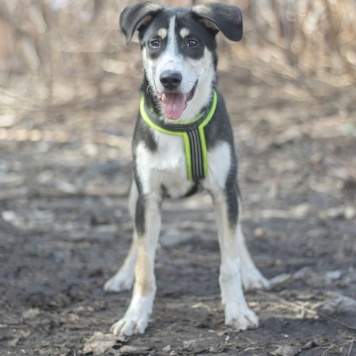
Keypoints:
pixel 165 167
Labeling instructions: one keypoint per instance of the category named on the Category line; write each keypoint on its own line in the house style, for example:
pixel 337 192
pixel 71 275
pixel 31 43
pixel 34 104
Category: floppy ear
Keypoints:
pixel 223 17
pixel 133 16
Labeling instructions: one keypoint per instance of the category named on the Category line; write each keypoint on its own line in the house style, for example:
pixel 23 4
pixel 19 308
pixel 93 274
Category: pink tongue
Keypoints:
pixel 173 105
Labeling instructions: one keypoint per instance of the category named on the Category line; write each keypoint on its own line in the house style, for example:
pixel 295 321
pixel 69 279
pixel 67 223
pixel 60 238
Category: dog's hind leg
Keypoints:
pixel 251 276
pixel 125 276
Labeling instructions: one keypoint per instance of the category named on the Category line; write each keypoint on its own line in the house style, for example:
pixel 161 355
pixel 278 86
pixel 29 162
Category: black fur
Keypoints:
pixel 133 16
pixel 224 17
pixel 227 18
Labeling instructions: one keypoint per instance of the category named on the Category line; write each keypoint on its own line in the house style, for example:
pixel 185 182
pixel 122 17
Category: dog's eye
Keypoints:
pixel 192 43
pixel 155 44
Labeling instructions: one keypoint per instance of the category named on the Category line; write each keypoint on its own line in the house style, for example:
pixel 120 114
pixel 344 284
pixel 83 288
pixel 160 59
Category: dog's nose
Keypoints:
pixel 170 79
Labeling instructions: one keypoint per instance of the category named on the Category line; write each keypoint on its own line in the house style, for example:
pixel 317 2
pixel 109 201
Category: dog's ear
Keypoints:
pixel 135 15
pixel 223 17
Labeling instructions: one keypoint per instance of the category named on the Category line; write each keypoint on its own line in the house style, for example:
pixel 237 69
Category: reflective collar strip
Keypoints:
pixel 193 137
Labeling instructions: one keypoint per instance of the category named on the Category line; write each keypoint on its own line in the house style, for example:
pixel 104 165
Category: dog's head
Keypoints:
pixel 179 51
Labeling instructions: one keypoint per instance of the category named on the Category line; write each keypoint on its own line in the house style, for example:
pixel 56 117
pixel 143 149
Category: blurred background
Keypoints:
pixel 65 74
pixel 60 55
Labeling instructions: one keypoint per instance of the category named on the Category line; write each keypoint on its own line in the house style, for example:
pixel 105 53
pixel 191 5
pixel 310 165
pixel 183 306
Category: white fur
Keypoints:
pixel 136 317
pixel 203 70
pixel 218 168
pixel 166 166
pixel 237 312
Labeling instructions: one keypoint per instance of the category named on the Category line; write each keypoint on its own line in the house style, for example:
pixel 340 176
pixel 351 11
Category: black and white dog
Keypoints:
pixel 183 141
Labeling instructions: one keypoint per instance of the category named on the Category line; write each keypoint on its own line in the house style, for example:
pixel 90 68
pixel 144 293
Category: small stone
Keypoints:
pixel 167 348
pixel 133 350
pixel 285 350
pixel 259 232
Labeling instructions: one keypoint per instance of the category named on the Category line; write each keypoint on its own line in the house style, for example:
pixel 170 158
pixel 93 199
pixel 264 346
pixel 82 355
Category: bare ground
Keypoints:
pixel 64 227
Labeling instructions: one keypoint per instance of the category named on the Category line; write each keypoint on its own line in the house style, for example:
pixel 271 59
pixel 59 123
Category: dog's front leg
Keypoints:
pixel 147 225
pixel 237 312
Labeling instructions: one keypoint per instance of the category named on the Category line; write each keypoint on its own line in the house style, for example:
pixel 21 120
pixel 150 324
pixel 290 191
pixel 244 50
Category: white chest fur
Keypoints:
pixel 167 166
pixel 164 167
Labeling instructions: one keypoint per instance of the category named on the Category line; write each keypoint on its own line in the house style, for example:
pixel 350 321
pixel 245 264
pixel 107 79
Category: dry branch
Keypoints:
pixel 313 36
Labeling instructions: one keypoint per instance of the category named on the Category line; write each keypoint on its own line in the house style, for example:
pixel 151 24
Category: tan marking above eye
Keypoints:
pixel 184 32
pixel 162 32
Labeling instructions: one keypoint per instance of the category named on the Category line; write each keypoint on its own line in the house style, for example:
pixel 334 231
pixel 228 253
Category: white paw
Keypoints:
pixel 252 279
pixel 241 318
pixel 135 320
pixel 121 281
pixel 129 326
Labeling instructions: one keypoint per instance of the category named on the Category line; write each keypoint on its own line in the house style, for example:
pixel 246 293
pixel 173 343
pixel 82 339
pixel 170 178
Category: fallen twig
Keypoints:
pixel 351 347
pixel 304 310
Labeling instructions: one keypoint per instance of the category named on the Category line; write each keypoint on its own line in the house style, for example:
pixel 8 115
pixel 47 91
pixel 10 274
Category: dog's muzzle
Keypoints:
pixel 173 102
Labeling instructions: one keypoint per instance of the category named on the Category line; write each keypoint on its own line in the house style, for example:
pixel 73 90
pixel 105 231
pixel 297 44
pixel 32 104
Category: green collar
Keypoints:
pixel 193 136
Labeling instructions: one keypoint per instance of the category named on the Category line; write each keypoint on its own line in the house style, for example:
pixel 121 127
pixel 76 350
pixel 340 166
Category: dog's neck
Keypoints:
pixel 193 134
pixel 153 120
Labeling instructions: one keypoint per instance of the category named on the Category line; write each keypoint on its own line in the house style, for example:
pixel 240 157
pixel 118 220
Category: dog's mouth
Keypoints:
pixel 173 104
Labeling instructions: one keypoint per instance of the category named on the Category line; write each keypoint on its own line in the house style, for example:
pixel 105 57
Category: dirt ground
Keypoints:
pixel 65 229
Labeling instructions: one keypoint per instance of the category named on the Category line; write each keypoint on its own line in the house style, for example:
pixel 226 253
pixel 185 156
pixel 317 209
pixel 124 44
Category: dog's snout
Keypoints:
pixel 170 79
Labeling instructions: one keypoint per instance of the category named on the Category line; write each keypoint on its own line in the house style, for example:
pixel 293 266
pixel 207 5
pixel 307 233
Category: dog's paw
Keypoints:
pixel 119 282
pixel 136 317
pixel 252 279
pixel 241 318
pixel 129 326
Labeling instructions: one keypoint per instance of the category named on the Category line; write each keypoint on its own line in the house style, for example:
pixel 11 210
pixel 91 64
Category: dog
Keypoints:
pixel 183 142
